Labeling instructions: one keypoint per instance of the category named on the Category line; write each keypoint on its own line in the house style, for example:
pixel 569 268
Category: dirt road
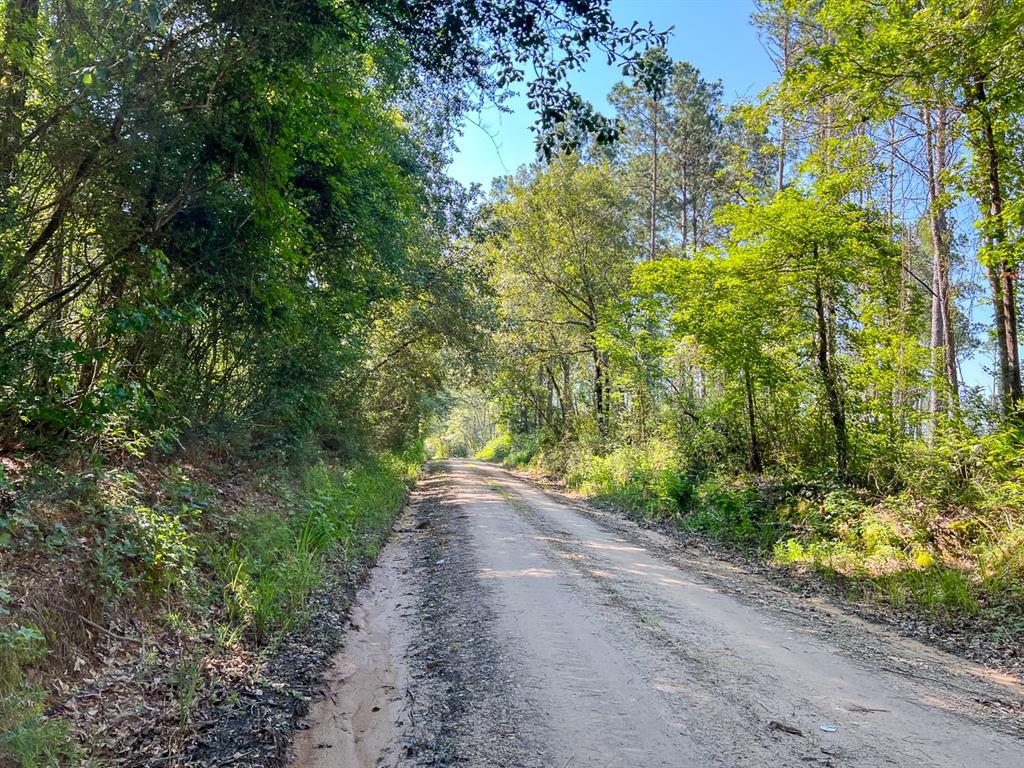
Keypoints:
pixel 506 627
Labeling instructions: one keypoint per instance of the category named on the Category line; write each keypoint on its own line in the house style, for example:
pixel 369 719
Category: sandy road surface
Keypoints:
pixel 506 627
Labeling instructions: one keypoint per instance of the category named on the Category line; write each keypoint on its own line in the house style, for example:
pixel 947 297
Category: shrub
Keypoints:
pixel 644 480
pixel 27 737
pixel 139 545
pixel 497 448
pixel 731 511
pixel 524 450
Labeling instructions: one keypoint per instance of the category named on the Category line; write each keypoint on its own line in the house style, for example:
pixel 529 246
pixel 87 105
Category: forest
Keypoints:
pixel 789 323
pixel 242 301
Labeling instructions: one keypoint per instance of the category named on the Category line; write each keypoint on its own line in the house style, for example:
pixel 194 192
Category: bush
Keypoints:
pixel 524 450
pixel 511 450
pixel 644 480
pixel 277 561
pixel 732 511
pixel 142 544
pixel 496 449
pixel 897 551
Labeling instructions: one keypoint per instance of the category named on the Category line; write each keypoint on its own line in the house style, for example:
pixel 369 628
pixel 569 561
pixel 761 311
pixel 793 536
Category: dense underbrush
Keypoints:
pixel 948 541
pixel 211 558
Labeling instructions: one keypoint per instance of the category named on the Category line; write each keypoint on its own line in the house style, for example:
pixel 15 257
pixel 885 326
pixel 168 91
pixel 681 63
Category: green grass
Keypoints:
pixel 27 737
pixel 188 683
pixel 896 551
pixel 277 560
pixel 946 593
pixel 224 576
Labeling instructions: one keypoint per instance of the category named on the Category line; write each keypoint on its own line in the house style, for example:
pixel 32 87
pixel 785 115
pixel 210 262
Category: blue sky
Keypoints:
pixel 714 35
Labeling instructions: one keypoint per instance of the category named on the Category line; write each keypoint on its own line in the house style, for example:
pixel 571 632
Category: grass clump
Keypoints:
pixel 277 560
pixel 28 738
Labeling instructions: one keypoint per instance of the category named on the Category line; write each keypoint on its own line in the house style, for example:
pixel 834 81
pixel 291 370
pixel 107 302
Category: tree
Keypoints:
pixel 641 109
pixel 559 255
pixel 211 210
pixel 961 55
pixel 696 144
pixel 735 312
pixel 673 141
pixel 825 249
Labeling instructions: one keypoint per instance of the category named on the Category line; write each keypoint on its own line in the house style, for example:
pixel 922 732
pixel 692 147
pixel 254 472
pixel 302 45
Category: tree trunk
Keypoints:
pixel 891 185
pixel 946 264
pixel 654 180
pixel 693 220
pixel 899 396
pixel 935 345
pixel 562 405
pixel 682 207
pixel 567 389
pixel 756 464
pixel 830 380
pixel 943 341
pixel 21 21
pixel 607 369
pixel 1001 276
pixel 782 119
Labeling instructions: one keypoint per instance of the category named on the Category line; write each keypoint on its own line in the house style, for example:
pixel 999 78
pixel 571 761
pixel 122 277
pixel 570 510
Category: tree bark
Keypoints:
pixel 1001 276
pixel 682 206
pixel 782 118
pixel 756 463
pixel 654 180
pixel 830 380
pixel 943 341
pixel 562 405
pixel 693 220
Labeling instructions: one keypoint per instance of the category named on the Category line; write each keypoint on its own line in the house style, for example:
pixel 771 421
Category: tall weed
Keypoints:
pixel 277 561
